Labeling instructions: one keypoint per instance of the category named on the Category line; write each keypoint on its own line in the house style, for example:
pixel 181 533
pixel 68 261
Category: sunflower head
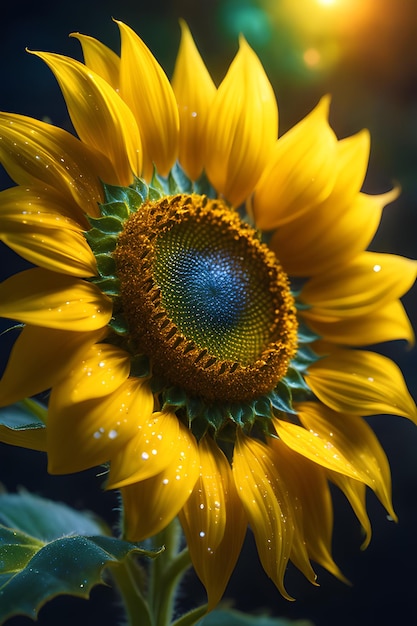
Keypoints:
pixel 199 318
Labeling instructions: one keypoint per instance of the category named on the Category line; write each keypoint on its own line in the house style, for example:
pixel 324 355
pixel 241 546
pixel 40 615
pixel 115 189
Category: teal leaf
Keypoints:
pixel 26 414
pixel 236 618
pixel 45 556
pixel 44 519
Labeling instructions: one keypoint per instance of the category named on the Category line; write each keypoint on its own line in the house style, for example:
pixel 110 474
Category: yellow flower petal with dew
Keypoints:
pixel 194 91
pixel 90 433
pixel 368 282
pixel 361 382
pixel 31 438
pixel 242 127
pixel 100 117
pixel 40 357
pixel 97 373
pixel 32 225
pixel 355 492
pixel 100 59
pixel 151 504
pixel 300 172
pixel 349 437
pixel 213 521
pixel 265 503
pixel 388 323
pixel 329 234
pixel 43 298
pixel 351 164
pixel 33 152
pixel 307 483
pixel 146 89
pixel 152 448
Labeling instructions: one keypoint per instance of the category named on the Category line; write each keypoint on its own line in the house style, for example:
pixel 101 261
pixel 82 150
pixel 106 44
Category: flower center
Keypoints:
pixel 205 299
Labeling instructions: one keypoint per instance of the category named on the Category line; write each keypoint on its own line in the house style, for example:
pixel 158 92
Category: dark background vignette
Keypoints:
pixel 373 85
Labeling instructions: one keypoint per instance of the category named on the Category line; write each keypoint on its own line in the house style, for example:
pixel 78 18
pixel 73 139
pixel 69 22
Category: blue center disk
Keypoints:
pixel 214 291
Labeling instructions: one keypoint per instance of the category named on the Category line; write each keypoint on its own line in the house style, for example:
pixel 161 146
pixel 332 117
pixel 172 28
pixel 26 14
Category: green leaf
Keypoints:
pixel 46 555
pixel 22 415
pixel 46 520
pixel 236 618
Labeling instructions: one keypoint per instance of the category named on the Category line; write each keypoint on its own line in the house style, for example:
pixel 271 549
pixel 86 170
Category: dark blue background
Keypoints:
pixel 373 86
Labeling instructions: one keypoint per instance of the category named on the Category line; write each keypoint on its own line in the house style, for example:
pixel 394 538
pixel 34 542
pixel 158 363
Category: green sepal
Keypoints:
pixel 305 334
pixel 52 558
pixel 281 398
pixel 118 323
pixel 106 264
pixel 100 242
pixel 109 224
pixel 129 196
pixel 229 617
pixel 108 284
pixel 178 181
pixel 304 358
pixel 141 188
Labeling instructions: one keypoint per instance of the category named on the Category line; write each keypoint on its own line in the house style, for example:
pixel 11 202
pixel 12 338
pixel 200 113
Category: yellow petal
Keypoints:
pixel 39 358
pixel 361 382
pixel 213 522
pixel 387 323
pixel 34 152
pixel 355 492
pixel 330 234
pixel 44 298
pixel 99 371
pixel 146 89
pixel 368 282
pixel 352 156
pixel 33 203
pixel 100 117
pixel 33 226
pixel 90 433
pixel 348 437
pixel 151 504
pixel 100 59
pixel 153 448
pixel 242 127
pixel 300 173
pixel 264 501
pixel 307 483
pixel 32 438
pixel 194 91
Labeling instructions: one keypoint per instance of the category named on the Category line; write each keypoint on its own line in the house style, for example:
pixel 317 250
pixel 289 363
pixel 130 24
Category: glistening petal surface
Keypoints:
pixel 44 298
pixel 300 172
pixel 92 432
pixel 349 436
pixel 265 506
pixel 242 127
pixel 213 521
pixel 151 504
pixel 101 118
pixel 34 227
pixel 194 91
pixel 32 365
pixel 368 282
pixel 35 152
pixel 153 446
pixel 361 382
pixel 101 59
pixel 154 107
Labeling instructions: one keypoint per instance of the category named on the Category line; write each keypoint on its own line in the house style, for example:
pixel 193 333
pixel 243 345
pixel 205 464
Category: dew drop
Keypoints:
pixel 145 456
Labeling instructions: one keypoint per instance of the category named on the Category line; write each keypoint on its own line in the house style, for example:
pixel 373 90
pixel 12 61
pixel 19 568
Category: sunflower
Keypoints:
pixel 200 303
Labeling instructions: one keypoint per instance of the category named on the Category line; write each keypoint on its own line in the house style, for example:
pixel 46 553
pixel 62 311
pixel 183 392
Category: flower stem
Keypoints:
pixel 127 576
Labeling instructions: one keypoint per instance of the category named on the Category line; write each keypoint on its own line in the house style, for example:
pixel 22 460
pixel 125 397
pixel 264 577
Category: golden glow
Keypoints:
pixel 312 57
